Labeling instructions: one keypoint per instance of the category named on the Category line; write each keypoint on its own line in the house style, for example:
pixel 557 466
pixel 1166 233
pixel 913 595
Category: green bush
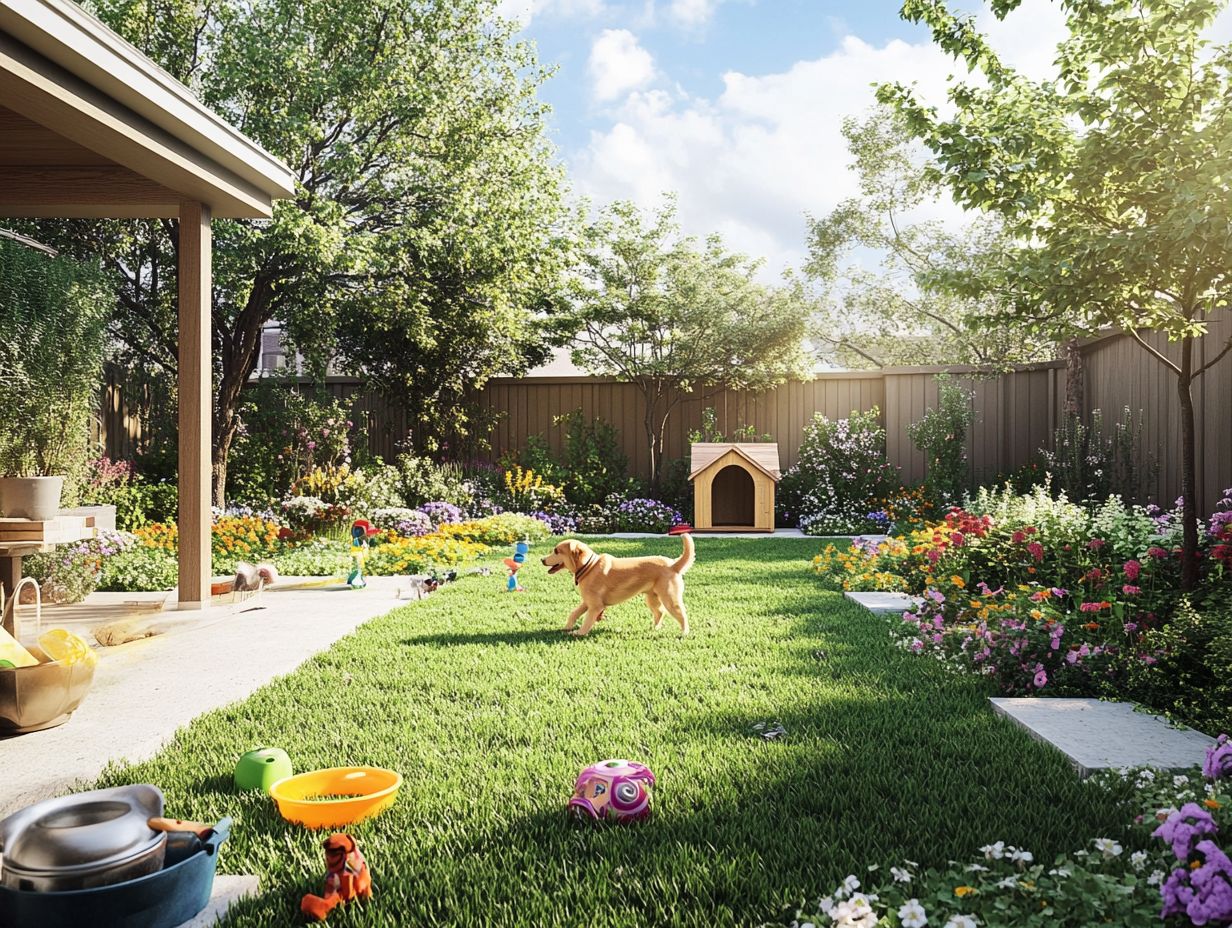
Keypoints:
pixel 1187 672
pixel 139 569
pixel 138 501
pixel 423 480
pixel 942 437
pixel 1089 464
pixel 594 464
pixel 316 558
pixel 53 313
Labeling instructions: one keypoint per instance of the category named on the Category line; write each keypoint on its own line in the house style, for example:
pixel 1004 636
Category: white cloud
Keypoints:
pixel 691 13
pixel 618 64
pixel 523 11
pixel 752 161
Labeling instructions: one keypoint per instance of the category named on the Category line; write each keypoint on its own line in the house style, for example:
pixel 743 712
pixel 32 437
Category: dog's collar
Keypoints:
pixel 590 562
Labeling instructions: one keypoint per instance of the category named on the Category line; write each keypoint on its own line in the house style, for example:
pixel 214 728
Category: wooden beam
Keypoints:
pixel 195 392
pixel 82 191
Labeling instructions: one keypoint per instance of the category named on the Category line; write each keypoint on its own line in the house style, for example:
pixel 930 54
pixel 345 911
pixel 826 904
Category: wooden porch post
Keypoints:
pixel 195 389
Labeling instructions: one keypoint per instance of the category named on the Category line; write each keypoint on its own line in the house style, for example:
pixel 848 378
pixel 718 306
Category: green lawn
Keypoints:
pixel 489 712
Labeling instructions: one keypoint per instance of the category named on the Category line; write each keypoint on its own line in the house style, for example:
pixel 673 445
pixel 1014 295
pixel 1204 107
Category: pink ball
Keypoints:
pixel 613 790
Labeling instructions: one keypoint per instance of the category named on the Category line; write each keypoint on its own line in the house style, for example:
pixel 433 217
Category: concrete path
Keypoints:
pixel 145 690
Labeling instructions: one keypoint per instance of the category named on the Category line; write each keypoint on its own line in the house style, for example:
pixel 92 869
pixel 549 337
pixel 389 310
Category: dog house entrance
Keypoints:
pixel 731 497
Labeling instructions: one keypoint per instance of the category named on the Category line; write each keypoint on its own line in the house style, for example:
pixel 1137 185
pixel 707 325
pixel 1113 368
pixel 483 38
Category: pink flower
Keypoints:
pixel 1132 570
pixel 1041 678
pixel 1130 590
pixel 1096 543
pixel 1037 550
pixel 311 445
pixel 1018 538
pixel 1156 552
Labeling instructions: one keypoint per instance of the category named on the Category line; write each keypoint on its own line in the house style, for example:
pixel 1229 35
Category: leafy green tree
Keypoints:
pixel 896 314
pixel 674 317
pixel 420 238
pixel 1113 181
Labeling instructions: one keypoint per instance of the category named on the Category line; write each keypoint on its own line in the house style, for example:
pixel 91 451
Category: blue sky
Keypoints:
pixel 736 106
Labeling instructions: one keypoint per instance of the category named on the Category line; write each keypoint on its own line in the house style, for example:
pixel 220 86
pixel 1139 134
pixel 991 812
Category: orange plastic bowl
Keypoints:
pixel 366 791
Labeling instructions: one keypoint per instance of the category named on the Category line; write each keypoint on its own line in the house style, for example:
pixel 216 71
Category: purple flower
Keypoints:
pixel 1183 827
pixel 1203 894
pixel 1218 763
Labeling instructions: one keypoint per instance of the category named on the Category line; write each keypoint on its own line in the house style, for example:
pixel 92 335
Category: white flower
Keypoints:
pixel 900 875
pixel 856 912
pixel 1062 872
pixel 1145 777
pixel 1180 780
pixel 994 851
pixel 1138 859
pixel 962 921
pixel 850 885
pixel 1021 857
pixel 912 914
pixel 1156 877
pixel 1008 883
pixel 1108 848
pixel 976 868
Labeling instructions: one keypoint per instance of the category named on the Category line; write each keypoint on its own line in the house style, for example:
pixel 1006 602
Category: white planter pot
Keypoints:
pixel 30 497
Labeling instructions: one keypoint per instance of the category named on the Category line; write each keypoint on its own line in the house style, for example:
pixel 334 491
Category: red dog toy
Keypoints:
pixel 346 878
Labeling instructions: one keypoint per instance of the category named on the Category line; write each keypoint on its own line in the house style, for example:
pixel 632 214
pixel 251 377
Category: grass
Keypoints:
pixel 489 712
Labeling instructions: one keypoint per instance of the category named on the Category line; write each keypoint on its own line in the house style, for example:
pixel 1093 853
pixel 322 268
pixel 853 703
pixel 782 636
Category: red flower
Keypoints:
pixel 1018 538
pixel 1132 570
pixel 1037 550
pixel 1156 552
pixel 1096 543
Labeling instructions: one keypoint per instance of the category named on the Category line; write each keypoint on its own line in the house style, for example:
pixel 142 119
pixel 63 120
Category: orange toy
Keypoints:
pixel 346 878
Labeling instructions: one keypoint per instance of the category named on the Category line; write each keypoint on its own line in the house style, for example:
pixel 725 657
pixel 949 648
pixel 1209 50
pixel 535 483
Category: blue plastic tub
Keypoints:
pixel 164 899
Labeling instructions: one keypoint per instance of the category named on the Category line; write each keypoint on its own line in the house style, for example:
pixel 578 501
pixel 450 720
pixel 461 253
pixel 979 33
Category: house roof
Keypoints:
pixel 762 455
pixel 115 126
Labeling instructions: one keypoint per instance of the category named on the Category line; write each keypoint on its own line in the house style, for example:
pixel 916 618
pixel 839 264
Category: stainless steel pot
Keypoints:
pixel 83 841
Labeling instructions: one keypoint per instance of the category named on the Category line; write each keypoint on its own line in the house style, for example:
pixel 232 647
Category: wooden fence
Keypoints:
pixel 1016 413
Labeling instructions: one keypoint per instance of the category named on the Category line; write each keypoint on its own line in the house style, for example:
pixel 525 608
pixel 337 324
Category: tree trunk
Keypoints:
pixel 1189 470
pixel 1074 396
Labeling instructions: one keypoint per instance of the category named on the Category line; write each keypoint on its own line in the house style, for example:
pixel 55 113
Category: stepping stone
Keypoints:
pixel 885 603
pixel 1098 735
pixel 227 891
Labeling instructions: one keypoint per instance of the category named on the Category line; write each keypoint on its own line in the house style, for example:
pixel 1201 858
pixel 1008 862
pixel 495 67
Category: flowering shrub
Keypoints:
pixel 440 513
pixel 71 572
pixel 137 501
pixel 942 437
pixel 234 538
pixel 137 567
pixel 840 477
pixel 557 523
pixel 399 555
pixel 333 483
pixel 644 515
pixel 407 522
pixel 854 569
pixel 523 490
pixel 312 515
pixel 497 531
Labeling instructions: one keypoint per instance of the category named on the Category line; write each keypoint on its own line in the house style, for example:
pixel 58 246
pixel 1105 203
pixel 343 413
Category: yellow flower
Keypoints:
pixel 961 891
pixel 958 581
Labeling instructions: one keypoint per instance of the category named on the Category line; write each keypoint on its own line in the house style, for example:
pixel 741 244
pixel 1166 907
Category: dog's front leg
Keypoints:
pixel 592 616
pixel 574 616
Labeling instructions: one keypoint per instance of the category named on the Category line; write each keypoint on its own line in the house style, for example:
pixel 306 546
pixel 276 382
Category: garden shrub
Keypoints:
pixel 376 485
pixel 408 522
pixel 643 515
pixel 1187 671
pixel 441 513
pixel 1088 464
pixel 498 530
pixel 523 490
pixel 137 500
pixel 285 434
pixel 941 435
pixel 71 572
pixel 397 555
pixel 593 464
pixel 139 568
pixel 316 557
pixel 53 313
pixel 423 480
pixel 841 476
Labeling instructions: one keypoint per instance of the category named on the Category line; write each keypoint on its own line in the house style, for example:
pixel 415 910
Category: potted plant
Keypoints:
pixel 53 314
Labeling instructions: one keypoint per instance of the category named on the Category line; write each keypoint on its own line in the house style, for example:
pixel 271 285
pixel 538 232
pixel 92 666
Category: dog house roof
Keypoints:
pixel 763 456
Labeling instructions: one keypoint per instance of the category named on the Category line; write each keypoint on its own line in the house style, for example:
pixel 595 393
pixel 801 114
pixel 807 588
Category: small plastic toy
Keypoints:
pixel 613 790
pixel 520 550
pixel 261 768
pixel 361 531
pixel 365 791
pixel 346 877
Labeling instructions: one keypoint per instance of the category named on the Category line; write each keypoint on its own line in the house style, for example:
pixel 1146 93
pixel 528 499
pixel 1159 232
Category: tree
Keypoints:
pixel 425 192
pixel 1114 180
pixel 673 317
pixel 897 315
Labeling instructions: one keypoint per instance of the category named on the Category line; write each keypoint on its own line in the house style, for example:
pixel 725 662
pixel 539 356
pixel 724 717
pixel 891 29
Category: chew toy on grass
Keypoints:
pixel 613 790
pixel 346 877
pixel 520 550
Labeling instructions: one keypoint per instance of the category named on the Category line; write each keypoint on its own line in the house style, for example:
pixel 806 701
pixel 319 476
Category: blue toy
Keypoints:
pixel 520 550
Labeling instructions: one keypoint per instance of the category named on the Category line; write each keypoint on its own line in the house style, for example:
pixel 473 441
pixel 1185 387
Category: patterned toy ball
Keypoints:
pixel 613 790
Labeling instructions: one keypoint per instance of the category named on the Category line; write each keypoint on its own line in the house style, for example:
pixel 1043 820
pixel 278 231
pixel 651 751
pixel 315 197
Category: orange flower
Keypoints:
pixel 961 891
pixel 1212 803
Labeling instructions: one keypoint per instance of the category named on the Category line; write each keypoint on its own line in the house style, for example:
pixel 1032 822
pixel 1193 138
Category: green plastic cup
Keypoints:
pixel 262 768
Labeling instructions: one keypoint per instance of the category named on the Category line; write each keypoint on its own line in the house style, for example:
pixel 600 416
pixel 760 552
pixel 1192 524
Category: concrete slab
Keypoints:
pixel 1097 735
pixel 145 690
pixel 885 603
pixel 227 891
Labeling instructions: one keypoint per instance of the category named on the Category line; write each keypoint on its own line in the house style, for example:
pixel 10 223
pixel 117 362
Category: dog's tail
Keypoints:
pixel 685 561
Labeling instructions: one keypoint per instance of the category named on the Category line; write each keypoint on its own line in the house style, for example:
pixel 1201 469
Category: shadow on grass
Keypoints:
pixel 513 638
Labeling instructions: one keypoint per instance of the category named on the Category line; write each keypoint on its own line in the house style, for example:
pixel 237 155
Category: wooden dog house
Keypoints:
pixel 733 486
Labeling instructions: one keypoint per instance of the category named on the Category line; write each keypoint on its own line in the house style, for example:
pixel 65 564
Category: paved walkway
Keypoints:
pixel 144 691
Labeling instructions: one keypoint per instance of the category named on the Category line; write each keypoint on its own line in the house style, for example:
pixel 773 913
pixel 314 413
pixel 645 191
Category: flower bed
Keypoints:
pixel 1039 594
pixel 1171 865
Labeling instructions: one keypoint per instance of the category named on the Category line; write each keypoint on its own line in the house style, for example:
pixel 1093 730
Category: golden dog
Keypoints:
pixel 603 580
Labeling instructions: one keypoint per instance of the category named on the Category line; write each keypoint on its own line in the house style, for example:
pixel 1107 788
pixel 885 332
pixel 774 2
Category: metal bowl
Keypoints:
pixel 83 841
